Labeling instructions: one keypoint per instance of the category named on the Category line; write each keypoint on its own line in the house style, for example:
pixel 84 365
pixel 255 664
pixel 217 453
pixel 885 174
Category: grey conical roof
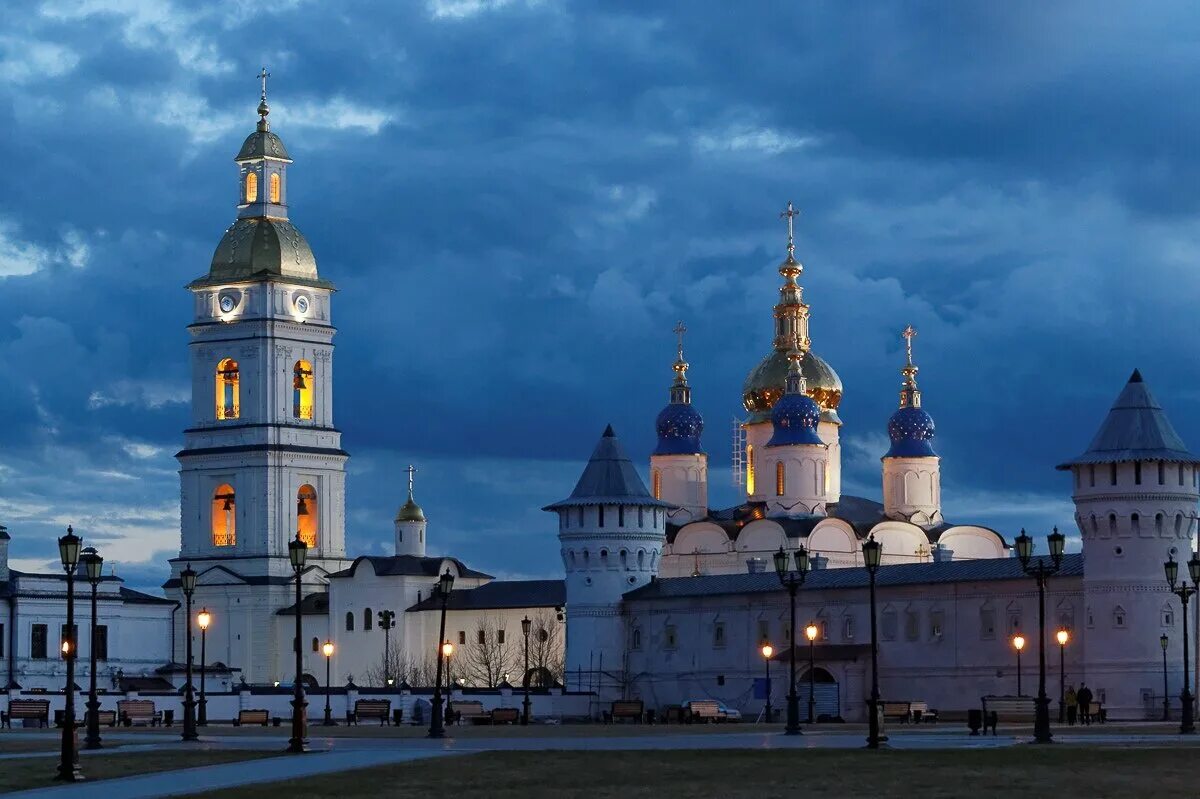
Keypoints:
pixel 1136 429
pixel 609 479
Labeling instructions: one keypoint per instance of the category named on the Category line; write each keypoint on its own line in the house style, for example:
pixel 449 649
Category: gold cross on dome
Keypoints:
pixel 909 334
pixel 411 471
pixel 790 213
pixel 679 329
pixel 263 75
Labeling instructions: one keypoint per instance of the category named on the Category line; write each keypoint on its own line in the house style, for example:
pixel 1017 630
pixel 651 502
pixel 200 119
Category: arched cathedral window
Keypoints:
pixel 308 520
pixel 780 478
pixel 224 517
pixel 251 186
pixel 275 187
pixel 656 480
pixel 349 621
pixel 366 618
pixel 228 379
pixel 750 468
pixel 302 390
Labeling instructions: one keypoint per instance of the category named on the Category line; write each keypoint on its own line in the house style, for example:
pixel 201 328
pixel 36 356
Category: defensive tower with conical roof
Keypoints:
pixel 1135 496
pixel 912 475
pixel 679 465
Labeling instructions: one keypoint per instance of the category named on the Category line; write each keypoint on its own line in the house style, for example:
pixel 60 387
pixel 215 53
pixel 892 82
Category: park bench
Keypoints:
pixel 107 718
pixel 896 711
pixel 138 711
pixel 373 709
pixel 27 709
pixel 256 716
pixel 920 711
pixel 1011 708
pixel 505 715
pixel 471 711
pixel 705 711
pixel 632 709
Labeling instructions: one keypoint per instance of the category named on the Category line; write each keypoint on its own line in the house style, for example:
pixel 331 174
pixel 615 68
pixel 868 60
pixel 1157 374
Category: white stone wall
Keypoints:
pixel 805 479
pixel 682 481
pixel 912 490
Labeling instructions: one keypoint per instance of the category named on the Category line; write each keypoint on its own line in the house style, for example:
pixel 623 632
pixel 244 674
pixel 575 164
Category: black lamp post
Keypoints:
pixel 202 621
pixel 872 551
pixel 792 580
pixel 436 730
pixel 767 650
pixel 327 651
pixel 1040 570
pixel 447 651
pixel 810 632
pixel 1185 594
pixel 187 581
pixel 1163 641
pixel 93 565
pixel 387 620
pixel 526 624
pixel 298 743
pixel 1018 643
pixel 1062 636
pixel 68 765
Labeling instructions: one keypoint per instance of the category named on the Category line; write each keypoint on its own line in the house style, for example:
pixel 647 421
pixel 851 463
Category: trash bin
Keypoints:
pixel 974 720
pixel 168 717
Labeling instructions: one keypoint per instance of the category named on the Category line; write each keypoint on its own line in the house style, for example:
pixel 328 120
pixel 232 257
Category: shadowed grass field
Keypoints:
pixel 19 774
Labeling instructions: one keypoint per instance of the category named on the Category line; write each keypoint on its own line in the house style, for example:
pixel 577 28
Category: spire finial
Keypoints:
pixel 791 314
pixel 790 213
pixel 412 470
pixel 794 383
pixel 679 329
pixel 680 392
pixel 263 108
pixel 910 396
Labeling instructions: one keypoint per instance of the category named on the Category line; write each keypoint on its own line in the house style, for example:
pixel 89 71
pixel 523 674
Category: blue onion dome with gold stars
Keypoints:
pixel 679 425
pixel 911 427
pixel 796 415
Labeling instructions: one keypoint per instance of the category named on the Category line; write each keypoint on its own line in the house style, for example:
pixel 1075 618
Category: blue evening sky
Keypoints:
pixel 518 199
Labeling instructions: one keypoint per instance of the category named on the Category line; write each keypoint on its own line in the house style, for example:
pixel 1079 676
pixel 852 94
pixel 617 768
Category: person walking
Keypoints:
pixel 1072 708
pixel 1084 699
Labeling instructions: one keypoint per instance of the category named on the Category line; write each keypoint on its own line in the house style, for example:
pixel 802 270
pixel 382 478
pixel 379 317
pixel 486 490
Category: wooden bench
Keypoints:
pixel 633 709
pixel 27 709
pixel 107 718
pixel 471 711
pixel 373 709
pixel 920 711
pixel 896 711
pixel 705 711
pixel 505 715
pixel 1012 708
pixel 256 716
pixel 138 711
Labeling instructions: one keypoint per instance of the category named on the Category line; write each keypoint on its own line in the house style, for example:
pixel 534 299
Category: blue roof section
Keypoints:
pixel 679 426
pixel 502 594
pixel 609 479
pixel 794 420
pixel 1136 429
pixel 910 430
pixel 959 571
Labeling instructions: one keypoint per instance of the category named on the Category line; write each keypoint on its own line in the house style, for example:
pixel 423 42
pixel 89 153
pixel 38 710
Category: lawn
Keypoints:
pixel 1025 771
pixel 21 773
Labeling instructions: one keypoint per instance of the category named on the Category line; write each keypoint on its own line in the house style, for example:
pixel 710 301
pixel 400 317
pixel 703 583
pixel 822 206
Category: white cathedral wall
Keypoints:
pixel 702 544
pixel 968 542
pixel 831 433
pixel 912 488
pixel 683 481
pixel 835 540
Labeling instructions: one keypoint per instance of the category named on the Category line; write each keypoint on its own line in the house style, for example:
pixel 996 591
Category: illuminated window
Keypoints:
pixel 224 517
pixel 656 478
pixel 780 478
pixel 307 518
pixel 749 468
pixel 251 186
pixel 302 390
pixel 275 187
pixel 227 389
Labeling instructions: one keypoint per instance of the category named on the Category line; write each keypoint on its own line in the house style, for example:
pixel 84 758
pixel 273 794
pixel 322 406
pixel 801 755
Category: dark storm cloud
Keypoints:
pixel 518 199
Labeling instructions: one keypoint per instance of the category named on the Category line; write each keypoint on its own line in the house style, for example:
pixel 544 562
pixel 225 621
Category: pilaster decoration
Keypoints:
pixel 323 355
pixel 283 351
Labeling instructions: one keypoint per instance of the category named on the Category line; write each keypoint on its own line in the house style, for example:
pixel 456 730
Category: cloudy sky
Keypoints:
pixel 518 199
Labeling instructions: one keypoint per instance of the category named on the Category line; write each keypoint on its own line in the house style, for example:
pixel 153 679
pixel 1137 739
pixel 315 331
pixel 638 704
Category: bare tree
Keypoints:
pixel 546 655
pixel 490 655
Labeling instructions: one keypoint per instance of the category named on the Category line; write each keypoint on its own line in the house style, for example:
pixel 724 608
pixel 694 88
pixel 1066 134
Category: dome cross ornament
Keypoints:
pixel 680 366
pixel 412 470
pixel 263 108
pixel 910 395
pixel 790 213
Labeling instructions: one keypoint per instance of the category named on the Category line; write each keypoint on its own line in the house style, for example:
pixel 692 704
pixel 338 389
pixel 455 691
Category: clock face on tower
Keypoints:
pixel 228 303
pixel 302 305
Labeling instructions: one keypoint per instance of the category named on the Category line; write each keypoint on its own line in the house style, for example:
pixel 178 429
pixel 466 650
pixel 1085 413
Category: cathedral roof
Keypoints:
pixel 408 565
pixel 255 248
pixel 501 594
pixel 1136 429
pixel 764 385
pixel 609 479
pixel 262 143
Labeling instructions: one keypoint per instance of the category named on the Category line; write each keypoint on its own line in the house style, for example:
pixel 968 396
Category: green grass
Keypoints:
pixel 38 772
pixel 1025 771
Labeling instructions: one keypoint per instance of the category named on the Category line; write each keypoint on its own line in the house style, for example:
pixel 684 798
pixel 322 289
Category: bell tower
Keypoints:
pixel 262 460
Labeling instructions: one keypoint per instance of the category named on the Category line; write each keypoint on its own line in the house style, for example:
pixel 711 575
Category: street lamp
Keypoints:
pixel 1062 636
pixel 187 582
pixel 93 565
pixel 1163 641
pixel 1018 643
pixel 298 743
pixel 203 620
pixel 436 729
pixel 792 579
pixel 1185 594
pixel 526 624
pixel 447 651
pixel 327 651
pixel 1040 570
pixel 68 764
pixel 872 552
pixel 767 650
pixel 811 633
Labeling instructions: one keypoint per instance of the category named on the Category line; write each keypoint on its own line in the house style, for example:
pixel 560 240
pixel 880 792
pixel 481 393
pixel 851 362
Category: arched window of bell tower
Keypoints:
pixel 251 186
pixel 275 187
pixel 302 390
pixel 228 379
pixel 224 516
pixel 307 517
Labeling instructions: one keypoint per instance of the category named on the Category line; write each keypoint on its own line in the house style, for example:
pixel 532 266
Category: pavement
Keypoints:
pixel 335 754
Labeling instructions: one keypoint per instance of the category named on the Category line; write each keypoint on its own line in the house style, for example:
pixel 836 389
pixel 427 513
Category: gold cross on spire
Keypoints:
pixel 263 75
pixel 909 334
pixel 790 213
pixel 411 471
pixel 679 329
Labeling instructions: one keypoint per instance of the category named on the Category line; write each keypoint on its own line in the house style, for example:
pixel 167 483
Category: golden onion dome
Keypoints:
pixel 764 386
pixel 410 512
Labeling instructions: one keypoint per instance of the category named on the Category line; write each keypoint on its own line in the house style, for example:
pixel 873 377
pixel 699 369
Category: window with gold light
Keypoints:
pixel 228 379
pixel 780 478
pixel 275 187
pixel 224 516
pixel 657 480
pixel 750 468
pixel 302 390
pixel 307 517
pixel 251 186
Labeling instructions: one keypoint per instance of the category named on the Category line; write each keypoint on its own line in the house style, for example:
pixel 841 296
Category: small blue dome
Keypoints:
pixel 679 426
pixel 795 418
pixel 911 430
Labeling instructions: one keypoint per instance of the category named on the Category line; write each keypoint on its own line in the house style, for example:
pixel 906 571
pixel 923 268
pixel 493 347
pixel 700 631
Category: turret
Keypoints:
pixel 410 524
pixel 612 532
pixel 795 456
pixel 912 477
pixel 3 554
pixel 679 465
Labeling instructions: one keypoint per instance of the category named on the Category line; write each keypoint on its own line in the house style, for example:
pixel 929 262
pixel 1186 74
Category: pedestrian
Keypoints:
pixel 1072 708
pixel 1084 698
